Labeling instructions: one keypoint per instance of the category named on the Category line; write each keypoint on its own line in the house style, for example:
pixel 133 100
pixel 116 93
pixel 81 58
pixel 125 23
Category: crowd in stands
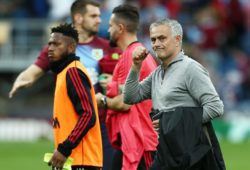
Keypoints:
pixel 217 34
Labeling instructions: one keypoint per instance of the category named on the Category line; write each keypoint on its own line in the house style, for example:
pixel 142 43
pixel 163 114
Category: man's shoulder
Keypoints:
pixel 190 62
pixel 135 44
pixel 75 67
pixel 100 40
pixel 192 67
pixel 131 47
pixel 103 43
pixel 42 60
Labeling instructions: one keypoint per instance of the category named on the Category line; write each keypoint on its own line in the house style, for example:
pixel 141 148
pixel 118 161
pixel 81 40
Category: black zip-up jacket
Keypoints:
pixel 183 144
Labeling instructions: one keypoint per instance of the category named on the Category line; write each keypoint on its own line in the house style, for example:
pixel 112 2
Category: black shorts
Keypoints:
pixel 83 168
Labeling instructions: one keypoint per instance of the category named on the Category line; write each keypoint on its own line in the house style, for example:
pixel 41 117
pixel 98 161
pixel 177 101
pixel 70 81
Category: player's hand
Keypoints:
pixel 57 161
pixel 19 84
pixel 26 78
pixel 98 97
pixel 156 125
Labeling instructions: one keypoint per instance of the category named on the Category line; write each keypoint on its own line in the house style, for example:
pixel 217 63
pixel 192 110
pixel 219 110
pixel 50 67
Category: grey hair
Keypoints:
pixel 175 26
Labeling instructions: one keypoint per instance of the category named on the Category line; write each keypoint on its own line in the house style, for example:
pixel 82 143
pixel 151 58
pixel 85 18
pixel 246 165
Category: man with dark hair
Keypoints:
pixel 67 30
pixel 129 127
pixel 76 124
pixel 94 52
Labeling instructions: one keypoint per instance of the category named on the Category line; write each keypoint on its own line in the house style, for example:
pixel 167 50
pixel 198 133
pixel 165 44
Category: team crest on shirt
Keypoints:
pixel 97 54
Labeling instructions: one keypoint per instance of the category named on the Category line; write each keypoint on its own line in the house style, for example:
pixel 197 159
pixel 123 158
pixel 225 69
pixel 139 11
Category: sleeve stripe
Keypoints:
pixel 82 124
pixel 76 84
pixel 79 128
pixel 80 90
pixel 84 98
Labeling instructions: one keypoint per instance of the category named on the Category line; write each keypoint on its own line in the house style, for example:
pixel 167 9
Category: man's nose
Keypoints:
pixel 50 48
pixel 98 20
pixel 157 42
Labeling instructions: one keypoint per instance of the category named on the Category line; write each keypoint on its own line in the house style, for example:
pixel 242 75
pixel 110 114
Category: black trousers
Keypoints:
pixel 83 168
pixel 117 161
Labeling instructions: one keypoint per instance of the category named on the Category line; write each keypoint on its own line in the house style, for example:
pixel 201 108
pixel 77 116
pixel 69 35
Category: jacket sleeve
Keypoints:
pixel 133 86
pixel 202 90
pixel 78 87
pixel 42 60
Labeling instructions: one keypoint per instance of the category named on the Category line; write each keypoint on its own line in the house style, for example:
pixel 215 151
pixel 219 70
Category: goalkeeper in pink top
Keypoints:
pixel 129 126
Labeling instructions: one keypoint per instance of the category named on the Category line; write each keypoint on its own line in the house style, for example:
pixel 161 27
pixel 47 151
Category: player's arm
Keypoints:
pixel 117 104
pixel 31 74
pixel 78 87
pixel 26 78
pixel 114 103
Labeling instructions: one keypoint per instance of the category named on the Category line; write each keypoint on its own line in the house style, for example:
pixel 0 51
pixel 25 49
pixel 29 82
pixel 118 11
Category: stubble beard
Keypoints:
pixel 92 33
pixel 63 56
pixel 160 56
pixel 112 43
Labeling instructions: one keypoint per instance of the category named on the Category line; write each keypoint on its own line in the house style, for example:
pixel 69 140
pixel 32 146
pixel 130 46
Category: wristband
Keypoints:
pixel 104 101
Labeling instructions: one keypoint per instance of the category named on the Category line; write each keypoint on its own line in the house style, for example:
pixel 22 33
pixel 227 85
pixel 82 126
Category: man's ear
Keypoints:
pixel 121 28
pixel 77 18
pixel 178 39
pixel 71 47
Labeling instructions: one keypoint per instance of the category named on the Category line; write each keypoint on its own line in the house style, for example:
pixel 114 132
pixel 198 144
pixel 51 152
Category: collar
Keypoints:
pixel 133 43
pixel 58 66
pixel 179 57
pixel 90 42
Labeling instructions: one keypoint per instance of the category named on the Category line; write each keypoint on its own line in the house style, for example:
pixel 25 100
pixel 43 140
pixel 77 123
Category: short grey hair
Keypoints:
pixel 175 26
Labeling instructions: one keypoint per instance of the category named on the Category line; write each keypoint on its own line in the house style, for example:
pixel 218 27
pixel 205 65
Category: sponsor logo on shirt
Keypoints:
pixel 115 56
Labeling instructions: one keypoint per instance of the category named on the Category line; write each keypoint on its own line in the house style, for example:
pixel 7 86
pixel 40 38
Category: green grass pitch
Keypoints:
pixel 29 155
pixel 24 155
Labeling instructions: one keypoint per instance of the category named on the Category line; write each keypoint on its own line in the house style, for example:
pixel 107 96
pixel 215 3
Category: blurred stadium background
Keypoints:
pixel 217 34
